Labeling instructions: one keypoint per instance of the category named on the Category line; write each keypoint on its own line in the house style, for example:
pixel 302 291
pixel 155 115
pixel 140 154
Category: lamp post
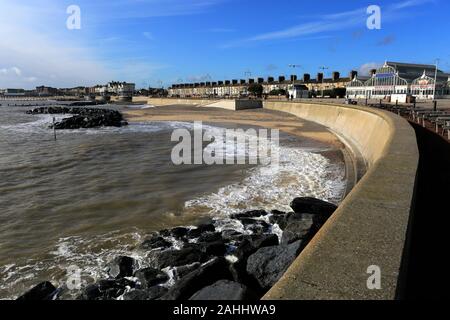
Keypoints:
pixel 247 73
pixel 293 66
pixel 323 68
pixel 435 79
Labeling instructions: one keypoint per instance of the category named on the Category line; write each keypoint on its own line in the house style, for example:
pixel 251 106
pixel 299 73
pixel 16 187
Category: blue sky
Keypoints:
pixel 166 41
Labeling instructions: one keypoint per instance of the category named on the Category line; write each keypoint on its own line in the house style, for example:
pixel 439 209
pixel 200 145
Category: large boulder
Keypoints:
pixel 268 264
pixel 215 248
pixel 207 274
pixel 256 226
pixel 173 258
pixel 249 214
pixel 180 272
pixel 106 289
pixel 42 291
pixel 210 237
pixel 248 246
pixel 197 232
pixel 149 277
pixel 121 267
pixel 224 290
pixel 178 232
pixel 156 292
pixel 298 230
pixel 155 242
pixel 136 294
pixel 313 206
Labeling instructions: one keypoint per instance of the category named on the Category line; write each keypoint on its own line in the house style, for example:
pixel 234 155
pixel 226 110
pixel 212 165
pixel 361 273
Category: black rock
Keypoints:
pixel 248 246
pixel 149 277
pixel 313 206
pixel 197 232
pixel 136 294
pixel 216 248
pixel 181 271
pixel 277 212
pixel 156 292
pixel 268 264
pixel 207 274
pixel 173 258
pixel 210 237
pixel 252 243
pixel 42 291
pixel 106 289
pixel 224 290
pixel 298 230
pixel 177 232
pixel 283 219
pixel 121 267
pixel 83 117
pixel 155 242
pixel 249 214
pixel 230 234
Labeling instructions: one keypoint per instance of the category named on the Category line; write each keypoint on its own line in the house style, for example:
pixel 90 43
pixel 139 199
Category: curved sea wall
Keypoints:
pixel 360 252
pixel 367 235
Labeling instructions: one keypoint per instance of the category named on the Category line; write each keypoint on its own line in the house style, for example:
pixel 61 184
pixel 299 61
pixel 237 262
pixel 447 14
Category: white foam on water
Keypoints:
pixel 298 173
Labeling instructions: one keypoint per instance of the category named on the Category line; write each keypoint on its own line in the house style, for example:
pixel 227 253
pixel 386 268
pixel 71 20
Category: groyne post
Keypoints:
pixel 54 129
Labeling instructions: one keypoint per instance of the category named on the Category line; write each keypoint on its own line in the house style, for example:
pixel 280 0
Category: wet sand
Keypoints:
pixel 256 117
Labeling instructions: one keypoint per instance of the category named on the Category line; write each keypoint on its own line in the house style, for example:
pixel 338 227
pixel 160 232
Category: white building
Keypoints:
pixel 298 91
pixel 122 89
pixel 396 81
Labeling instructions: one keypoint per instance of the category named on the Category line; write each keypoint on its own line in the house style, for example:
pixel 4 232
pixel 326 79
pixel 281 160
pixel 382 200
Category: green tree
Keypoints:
pixel 256 89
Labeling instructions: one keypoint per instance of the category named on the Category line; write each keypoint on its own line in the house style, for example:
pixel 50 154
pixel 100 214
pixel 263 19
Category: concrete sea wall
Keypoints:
pixel 367 235
pixel 368 232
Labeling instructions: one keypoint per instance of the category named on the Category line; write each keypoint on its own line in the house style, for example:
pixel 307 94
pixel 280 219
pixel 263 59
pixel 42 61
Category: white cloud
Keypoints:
pixel 11 71
pixel 365 69
pixel 38 45
pixel 327 23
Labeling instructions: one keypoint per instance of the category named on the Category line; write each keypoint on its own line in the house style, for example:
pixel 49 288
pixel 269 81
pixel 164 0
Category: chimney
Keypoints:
pixel 242 81
pixel 319 77
pixel 208 84
pixel 353 74
pixel 234 81
pixel 336 76
pixel 306 77
pixel 220 83
pixel 214 84
pixel 281 79
pixel 293 77
pixel 250 81
pixel 270 79
pixel 260 80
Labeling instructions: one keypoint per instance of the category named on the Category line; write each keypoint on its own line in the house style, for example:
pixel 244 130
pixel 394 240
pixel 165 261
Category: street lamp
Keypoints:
pixel 323 68
pixel 293 66
pixel 435 79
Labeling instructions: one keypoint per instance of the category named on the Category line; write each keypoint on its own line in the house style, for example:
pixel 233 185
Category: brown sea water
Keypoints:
pixel 95 193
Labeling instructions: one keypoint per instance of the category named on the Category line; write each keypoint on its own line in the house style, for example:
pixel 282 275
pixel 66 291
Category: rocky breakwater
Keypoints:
pixel 83 117
pixel 211 261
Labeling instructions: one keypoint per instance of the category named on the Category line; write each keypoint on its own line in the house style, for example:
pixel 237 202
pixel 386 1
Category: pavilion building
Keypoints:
pixel 396 81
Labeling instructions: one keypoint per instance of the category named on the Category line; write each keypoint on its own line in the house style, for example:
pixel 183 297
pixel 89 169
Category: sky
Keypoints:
pixel 159 42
